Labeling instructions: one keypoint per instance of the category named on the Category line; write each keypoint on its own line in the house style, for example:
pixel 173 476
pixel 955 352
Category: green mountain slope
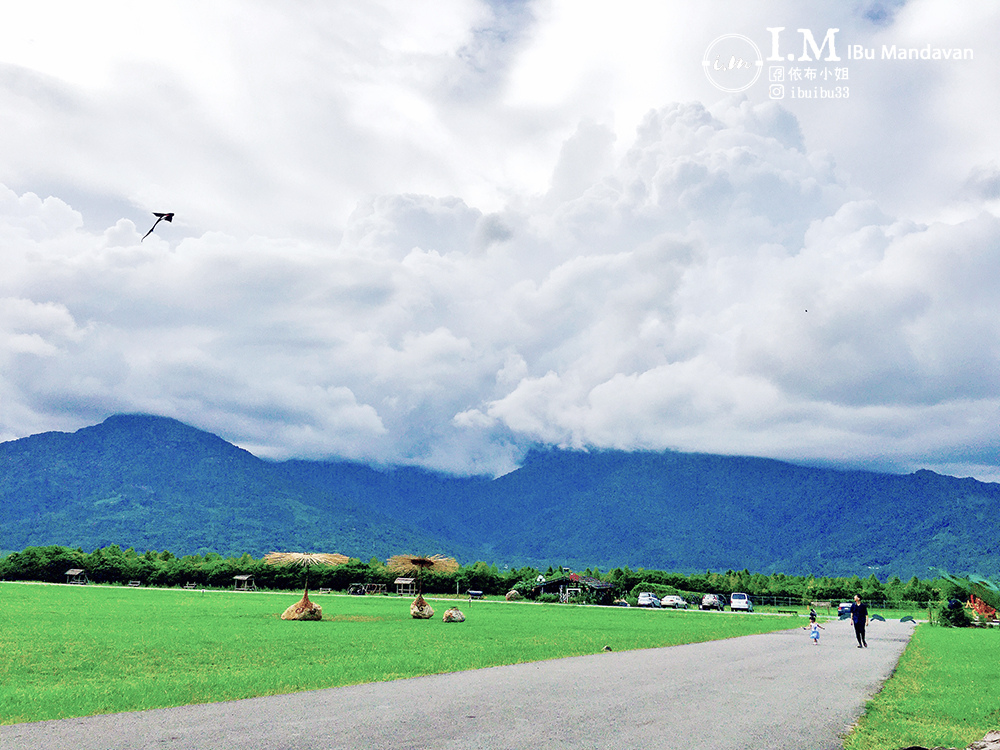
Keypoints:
pixel 154 483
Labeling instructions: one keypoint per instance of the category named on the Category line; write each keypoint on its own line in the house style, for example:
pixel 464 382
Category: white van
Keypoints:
pixel 739 602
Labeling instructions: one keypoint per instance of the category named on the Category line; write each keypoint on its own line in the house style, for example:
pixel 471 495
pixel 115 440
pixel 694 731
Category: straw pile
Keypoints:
pixel 304 609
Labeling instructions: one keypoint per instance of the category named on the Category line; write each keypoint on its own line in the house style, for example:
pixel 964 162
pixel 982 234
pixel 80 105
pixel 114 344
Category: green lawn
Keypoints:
pixel 77 651
pixel 945 692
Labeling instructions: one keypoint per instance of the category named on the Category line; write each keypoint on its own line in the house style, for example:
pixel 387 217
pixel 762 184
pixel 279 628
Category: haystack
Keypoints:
pixel 304 609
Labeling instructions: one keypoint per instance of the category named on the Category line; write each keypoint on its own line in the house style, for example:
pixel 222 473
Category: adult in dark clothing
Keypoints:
pixel 859 616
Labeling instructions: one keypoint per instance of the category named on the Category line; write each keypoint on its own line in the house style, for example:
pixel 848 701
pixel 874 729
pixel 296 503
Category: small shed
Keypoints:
pixel 76 575
pixel 406 586
pixel 244 583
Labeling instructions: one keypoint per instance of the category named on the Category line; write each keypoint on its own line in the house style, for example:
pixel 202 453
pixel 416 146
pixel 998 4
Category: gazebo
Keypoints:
pixel 244 583
pixel 406 586
pixel 76 575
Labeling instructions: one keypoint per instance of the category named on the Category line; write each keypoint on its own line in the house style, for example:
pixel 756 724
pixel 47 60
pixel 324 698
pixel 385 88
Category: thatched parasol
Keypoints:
pixel 419 563
pixel 306 560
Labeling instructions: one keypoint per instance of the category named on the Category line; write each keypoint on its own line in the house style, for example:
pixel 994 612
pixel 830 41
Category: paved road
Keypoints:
pixel 769 691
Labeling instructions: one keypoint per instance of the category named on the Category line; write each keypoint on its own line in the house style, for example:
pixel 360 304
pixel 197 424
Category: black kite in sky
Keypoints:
pixel 159 218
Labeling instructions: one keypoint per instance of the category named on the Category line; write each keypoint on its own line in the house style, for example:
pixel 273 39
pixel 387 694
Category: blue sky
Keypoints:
pixel 440 233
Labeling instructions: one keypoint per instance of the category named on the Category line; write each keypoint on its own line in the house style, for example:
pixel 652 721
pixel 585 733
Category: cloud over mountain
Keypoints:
pixel 720 289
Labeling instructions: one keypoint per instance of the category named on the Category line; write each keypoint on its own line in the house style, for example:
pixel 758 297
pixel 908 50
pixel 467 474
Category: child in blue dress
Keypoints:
pixel 814 632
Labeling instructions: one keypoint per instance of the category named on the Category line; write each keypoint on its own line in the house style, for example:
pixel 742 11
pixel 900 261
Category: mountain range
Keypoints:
pixel 153 483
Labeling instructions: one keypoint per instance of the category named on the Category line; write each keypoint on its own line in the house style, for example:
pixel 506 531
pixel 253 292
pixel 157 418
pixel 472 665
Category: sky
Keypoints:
pixel 444 233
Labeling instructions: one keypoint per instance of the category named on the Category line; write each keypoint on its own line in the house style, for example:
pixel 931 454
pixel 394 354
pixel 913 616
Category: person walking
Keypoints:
pixel 859 616
pixel 814 629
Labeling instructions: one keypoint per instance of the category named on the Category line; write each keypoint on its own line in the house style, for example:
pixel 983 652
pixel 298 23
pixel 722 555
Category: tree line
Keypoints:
pixel 113 565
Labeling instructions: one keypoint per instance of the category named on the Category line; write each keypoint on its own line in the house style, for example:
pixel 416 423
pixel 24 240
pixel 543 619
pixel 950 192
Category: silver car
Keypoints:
pixel 712 601
pixel 648 599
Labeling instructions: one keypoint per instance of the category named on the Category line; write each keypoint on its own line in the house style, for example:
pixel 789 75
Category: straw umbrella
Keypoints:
pixel 418 564
pixel 304 609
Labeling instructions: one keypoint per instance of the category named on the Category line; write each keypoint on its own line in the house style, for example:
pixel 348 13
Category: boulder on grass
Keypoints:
pixel 990 742
pixel 454 615
pixel 513 595
pixel 303 610
pixel 420 609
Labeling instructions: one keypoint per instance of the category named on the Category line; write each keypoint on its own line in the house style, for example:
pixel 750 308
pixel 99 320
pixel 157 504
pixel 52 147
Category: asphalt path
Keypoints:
pixel 770 691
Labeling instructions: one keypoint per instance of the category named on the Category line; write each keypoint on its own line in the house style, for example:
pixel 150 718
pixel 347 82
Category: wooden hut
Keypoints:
pixel 76 575
pixel 244 583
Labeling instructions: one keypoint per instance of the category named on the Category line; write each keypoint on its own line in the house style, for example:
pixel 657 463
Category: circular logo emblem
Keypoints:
pixel 732 63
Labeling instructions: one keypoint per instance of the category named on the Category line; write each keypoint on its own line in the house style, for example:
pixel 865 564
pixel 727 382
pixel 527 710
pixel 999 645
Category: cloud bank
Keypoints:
pixel 719 290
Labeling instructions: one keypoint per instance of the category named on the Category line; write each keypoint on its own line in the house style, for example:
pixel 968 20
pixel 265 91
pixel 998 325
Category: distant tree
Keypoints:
pixel 872 589
pixel 111 565
pixel 953 614
pixel 918 591
pixel 480 576
pixel 778 584
pixel 47 564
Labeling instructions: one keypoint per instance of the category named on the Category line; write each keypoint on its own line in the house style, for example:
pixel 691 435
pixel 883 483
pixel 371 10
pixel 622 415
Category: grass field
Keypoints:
pixel 945 692
pixel 77 651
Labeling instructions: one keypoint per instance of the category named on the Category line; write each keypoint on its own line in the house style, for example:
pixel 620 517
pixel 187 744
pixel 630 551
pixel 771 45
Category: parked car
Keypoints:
pixel 740 603
pixel 648 599
pixel 711 601
pixel 843 609
pixel 674 601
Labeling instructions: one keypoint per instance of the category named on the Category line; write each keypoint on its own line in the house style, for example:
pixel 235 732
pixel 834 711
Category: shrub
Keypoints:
pixel 953 615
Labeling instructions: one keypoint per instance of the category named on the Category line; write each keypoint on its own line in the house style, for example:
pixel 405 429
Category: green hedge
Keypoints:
pixel 116 566
pixel 111 564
